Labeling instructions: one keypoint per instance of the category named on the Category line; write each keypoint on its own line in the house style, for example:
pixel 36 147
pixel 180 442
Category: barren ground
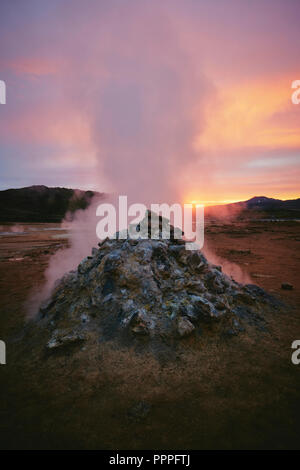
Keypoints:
pixel 239 392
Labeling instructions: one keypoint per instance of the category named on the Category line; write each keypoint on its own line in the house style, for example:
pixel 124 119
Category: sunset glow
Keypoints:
pixel 251 116
pixel 212 203
pixel 163 102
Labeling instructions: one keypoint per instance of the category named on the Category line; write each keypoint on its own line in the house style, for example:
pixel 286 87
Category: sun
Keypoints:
pixel 204 203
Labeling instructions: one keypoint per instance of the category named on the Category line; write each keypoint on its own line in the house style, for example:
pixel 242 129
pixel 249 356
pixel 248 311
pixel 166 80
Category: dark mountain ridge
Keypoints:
pixel 266 203
pixel 42 204
pixel 258 207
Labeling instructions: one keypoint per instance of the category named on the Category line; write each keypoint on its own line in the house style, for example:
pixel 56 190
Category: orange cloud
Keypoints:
pixel 245 116
pixel 32 66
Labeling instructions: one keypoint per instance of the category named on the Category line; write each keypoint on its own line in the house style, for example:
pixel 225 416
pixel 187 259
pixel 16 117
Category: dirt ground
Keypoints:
pixel 229 393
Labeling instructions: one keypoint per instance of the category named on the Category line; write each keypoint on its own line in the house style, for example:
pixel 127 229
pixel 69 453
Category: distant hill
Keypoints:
pixel 42 204
pixel 267 203
pixel 259 207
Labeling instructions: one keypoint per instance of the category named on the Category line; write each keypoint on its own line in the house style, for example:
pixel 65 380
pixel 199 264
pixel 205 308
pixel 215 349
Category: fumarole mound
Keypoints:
pixel 146 291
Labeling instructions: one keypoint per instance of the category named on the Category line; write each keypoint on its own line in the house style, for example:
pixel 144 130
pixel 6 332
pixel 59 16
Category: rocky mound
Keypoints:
pixel 143 290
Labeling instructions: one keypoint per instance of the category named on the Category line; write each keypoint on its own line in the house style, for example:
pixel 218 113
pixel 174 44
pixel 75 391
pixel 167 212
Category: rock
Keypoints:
pixel 221 304
pixel 95 251
pixel 177 249
pixel 63 338
pixel 155 288
pixel 141 323
pixel 287 286
pixel 85 265
pixel 204 307
pixel 195 287
pixel 140 329
pixel 261 296
pixel 107 298
pixel 185 327
pixel 197 261
pixel 155 226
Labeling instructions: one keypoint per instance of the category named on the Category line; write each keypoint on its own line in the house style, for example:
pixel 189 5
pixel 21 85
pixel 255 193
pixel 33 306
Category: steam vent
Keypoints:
pixel 149 291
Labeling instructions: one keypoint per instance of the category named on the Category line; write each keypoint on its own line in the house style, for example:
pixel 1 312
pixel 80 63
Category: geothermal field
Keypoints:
pixel 147 345
pixel 115 114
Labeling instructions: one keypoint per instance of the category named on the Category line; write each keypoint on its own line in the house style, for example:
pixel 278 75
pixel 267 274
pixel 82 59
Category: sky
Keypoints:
pixel 172 101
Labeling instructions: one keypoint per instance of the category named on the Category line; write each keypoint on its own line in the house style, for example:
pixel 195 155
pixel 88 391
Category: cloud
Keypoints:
pixel 156 100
